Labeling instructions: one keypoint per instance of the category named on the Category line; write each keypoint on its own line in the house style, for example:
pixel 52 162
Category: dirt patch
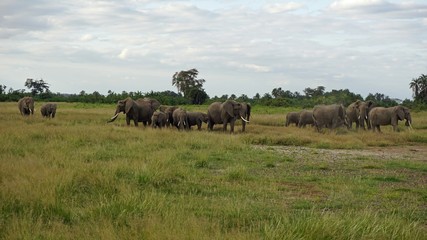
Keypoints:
pixel 418 152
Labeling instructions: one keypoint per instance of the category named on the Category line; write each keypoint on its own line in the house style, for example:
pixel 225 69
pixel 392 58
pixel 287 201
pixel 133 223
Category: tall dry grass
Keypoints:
pixel 77 177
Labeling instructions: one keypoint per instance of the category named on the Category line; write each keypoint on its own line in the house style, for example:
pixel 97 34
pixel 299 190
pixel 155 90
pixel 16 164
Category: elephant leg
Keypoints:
pixel 127 120
pixel 210 125
pixel 394 128
pixel 243 126
pixel 224 126
pixel 232 125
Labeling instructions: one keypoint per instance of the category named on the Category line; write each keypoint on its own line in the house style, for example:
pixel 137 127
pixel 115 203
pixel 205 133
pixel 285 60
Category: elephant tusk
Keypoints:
pixel 410 125
pixel 114 117
pixel 244 119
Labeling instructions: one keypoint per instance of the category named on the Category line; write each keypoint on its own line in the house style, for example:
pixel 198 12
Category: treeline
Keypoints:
pixel 277 98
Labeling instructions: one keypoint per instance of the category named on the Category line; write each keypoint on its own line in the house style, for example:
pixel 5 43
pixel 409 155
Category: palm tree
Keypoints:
pixel 419 88
pixel 414 86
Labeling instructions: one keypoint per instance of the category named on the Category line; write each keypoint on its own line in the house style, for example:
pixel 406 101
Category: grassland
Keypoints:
pixel 76 177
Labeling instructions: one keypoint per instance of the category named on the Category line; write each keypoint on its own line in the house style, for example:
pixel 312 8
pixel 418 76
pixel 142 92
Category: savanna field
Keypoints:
pixel 77 177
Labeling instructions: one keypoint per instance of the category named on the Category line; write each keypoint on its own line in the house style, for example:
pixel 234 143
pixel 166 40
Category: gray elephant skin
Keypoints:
pixel 292 117
pixel 26 106
pixel 225 113
pixel 389 116
pixel 159 119
pixel 140 110
pixel 180 119
pixel 168 110
pixel 196 119
pixel 358 112
pixel 48 110
pixel 305 117
pixel 330 116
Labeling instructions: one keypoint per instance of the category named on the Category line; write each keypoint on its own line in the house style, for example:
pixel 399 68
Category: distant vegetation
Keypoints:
pixel 191 91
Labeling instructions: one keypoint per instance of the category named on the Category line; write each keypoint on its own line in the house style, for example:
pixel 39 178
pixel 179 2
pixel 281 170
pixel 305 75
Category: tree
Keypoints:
pixel 314 92
pixel 192 88
pixel 243 98
pixel 278 92
pixel 419 88
pixel 197 96
pixel 381 100
pixel 2 89
pixel 37 86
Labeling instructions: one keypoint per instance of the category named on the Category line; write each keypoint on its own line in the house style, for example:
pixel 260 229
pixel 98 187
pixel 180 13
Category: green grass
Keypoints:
pixel 77 177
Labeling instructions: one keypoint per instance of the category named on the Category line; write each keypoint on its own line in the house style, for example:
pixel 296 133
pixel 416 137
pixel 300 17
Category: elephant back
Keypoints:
pixel 214 112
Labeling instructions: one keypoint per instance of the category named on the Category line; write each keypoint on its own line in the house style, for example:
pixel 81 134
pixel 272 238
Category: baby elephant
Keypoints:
pixel 48 110
pixel 305 117
pixel 292 117
pixel 159 119
pixel 196 118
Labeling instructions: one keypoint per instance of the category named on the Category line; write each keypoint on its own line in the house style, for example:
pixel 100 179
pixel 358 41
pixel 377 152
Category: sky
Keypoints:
pixel 238 47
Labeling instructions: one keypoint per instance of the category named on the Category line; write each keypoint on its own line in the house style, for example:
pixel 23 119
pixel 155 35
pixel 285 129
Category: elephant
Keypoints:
pixel 305 117
pixel 159 119
pixel 246 108
pixel 48 110
pixel 140 110
pixel 162 108
pixel 26 106
pixel 225 113
pixel 292 117
pixel 358 112
pixel 364 109
pixel 330 116
pixel 389 116
pixel 169 112
pixel 180 119
pixel 196 118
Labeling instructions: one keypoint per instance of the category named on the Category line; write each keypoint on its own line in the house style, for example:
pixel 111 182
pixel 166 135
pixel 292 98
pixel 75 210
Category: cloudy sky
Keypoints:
pixel 240 47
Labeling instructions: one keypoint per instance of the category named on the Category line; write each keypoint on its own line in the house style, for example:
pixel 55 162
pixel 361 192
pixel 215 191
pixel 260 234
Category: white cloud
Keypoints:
pixel 124 54
pixel 255 44
pixel 282 7
pixel 348 4
pixel 87 37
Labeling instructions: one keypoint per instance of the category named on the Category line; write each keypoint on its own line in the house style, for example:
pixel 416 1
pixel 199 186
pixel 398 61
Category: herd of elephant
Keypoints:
pixel 359 112
pixel 151 112
pixel 26 107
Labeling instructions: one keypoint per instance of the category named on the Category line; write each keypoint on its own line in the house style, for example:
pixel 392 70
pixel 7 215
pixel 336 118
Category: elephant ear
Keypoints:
pixel 249 111
pixel 399 112
pixel 228 107
pixel 341 111
pixel 128 104
pixel 370 103
pixel 357 103
pixel 154 104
